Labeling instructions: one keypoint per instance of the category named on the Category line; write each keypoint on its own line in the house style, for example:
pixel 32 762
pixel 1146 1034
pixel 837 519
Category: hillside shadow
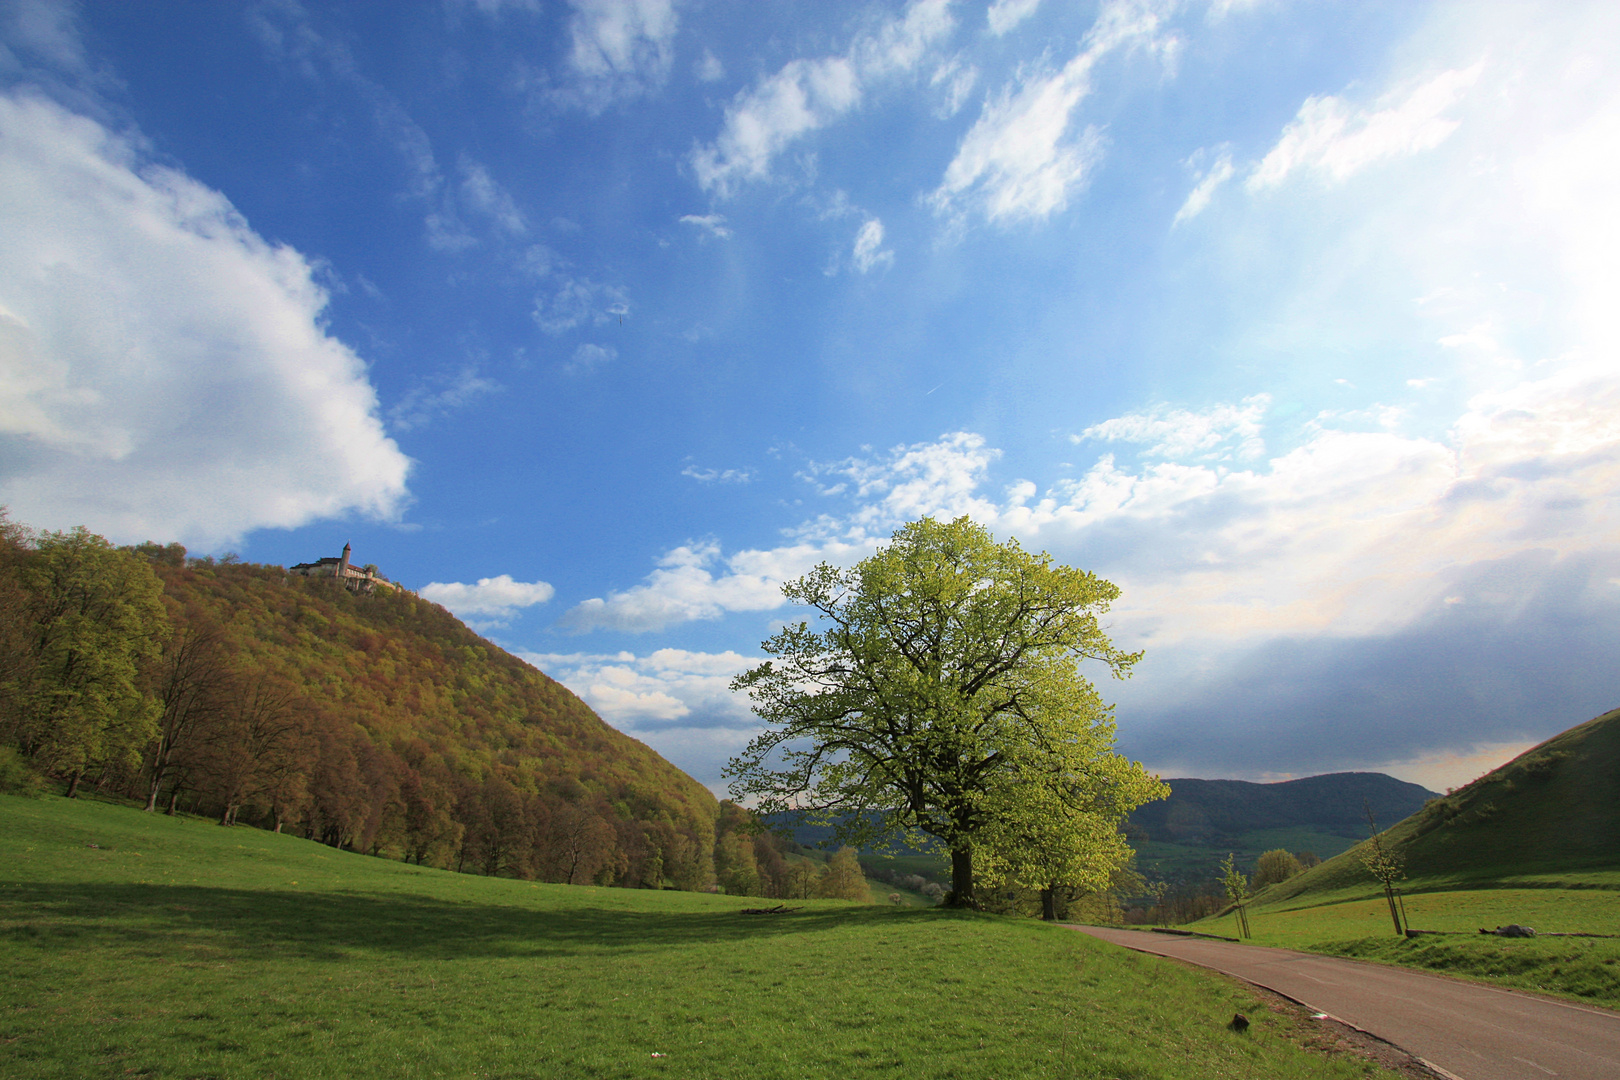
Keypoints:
pixel 327 926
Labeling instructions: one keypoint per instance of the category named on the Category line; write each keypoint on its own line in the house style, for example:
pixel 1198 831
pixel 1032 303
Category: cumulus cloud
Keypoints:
pixel 686 587
pixel 675 700
pixel 1334 141
pixel 1285 589
pixel 696 581
pixel 165 372
pixel 491 601
pixel 1020 160
pixel 868 251
pixel 808 94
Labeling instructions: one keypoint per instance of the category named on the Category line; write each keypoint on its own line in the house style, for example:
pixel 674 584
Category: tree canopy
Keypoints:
pixel 941 694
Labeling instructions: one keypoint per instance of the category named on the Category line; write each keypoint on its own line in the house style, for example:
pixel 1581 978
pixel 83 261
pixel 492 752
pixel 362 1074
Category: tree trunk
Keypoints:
pixel 1049 905
pixel 962 877
pixel 73 787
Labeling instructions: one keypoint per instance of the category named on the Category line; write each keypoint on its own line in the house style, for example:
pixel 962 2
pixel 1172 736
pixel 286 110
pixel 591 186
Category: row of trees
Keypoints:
pixel 108 679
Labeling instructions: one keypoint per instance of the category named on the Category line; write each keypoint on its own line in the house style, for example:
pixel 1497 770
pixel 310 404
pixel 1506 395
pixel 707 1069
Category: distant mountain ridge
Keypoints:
pixel 1203 812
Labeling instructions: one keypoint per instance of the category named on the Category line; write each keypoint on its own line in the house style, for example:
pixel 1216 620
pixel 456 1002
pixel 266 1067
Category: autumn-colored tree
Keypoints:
pixel 192 684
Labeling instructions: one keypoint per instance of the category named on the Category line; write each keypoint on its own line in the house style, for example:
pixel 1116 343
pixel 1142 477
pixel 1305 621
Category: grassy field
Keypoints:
pixel 1354 922
pixel 154 947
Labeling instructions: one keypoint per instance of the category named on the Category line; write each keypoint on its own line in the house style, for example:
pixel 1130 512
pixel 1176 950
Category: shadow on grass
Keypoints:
pixel 335 926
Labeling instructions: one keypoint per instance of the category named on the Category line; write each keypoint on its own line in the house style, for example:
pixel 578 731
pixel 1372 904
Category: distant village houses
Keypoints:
pixel 356 578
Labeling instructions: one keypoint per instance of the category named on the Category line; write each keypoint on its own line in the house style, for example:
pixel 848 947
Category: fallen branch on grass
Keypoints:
pixel 777 910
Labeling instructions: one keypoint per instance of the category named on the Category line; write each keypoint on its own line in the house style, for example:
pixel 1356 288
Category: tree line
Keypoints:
pixel 376 724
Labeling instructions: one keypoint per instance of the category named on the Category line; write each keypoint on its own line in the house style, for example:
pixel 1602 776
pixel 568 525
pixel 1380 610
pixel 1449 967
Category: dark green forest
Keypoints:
pixel 369 721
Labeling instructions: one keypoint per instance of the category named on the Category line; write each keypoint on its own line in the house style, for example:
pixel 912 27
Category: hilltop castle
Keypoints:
pixel 355 578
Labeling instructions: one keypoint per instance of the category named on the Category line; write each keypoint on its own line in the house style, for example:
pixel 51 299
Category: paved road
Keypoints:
pixel 1470 1031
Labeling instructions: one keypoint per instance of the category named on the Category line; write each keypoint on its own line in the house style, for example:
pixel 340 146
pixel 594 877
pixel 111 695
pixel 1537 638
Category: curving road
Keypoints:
pixel 1465 1030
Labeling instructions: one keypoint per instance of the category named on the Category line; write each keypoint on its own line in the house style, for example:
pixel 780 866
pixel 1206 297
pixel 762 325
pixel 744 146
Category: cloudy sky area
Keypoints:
pixel 597 320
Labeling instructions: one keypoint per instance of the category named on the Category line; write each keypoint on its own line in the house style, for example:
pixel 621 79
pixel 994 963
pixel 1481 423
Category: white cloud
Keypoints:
pixel 685 587
pixel 47 29
pixel 1006 14
pixel 1336 141
pixel 868 247
pixel 1216 175
pixel 164 371
pixel 709 68
pixel 712 224
pixel 481 193
pixel 1182 433
pixel 665 685
pixel 573 302
pixel 676 701
pixel 1020 160
pixel 620 49
pixel 434 399
pixel 587 358
pixel 723 476
pixel 695 581
pixel 1347 533
pixel 959 79
pixel 497 598
pixel 808 94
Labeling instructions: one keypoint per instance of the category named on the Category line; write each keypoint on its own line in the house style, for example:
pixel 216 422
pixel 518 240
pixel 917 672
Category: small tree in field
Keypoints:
pixel 1388 867
pixel 1237 891
pixel 943 678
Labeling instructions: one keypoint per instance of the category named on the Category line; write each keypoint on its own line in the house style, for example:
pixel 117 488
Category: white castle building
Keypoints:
pixel 338 566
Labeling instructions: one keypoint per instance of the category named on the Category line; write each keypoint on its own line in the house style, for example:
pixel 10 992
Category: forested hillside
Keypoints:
pixel 371 721
pixel 1221 811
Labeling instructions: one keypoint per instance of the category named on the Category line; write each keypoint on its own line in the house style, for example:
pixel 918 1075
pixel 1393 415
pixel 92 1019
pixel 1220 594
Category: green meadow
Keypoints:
pixel 1358 925
pixel 145 946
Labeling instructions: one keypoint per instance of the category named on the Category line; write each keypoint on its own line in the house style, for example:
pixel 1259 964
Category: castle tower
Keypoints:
pixel 343 567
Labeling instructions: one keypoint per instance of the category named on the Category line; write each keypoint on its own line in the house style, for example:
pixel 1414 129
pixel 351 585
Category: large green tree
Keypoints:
pixel 94 616
pixel 942 678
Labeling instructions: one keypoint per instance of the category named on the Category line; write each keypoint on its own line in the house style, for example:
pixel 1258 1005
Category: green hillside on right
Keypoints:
pixel 1549 817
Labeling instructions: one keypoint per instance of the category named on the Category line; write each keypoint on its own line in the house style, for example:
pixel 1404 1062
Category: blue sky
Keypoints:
pixel 596 320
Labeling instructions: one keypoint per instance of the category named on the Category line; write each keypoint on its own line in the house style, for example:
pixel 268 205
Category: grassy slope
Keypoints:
pixel 156 947
pixel 1535 842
